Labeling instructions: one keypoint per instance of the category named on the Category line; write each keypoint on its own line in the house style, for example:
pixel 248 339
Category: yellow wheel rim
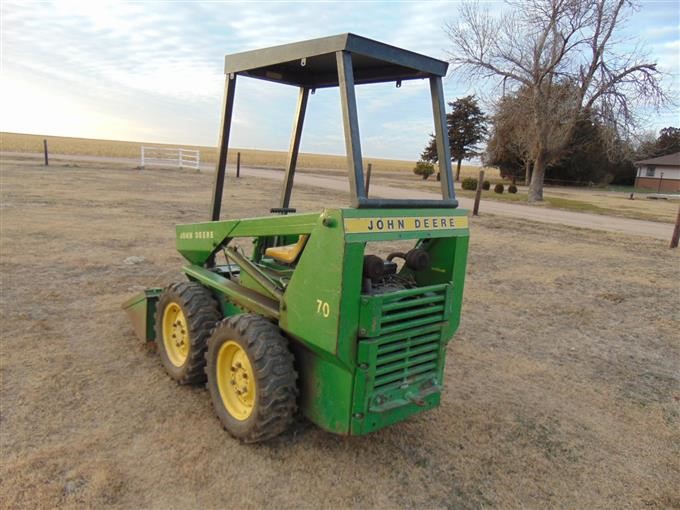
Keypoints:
pixel 175 334
pixel 235 380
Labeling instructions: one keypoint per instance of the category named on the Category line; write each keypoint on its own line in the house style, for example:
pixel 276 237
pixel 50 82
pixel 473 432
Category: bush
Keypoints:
pixel 469 183
pixel 424 169
pixel 498 188
pixel 512 189
pixel 486 185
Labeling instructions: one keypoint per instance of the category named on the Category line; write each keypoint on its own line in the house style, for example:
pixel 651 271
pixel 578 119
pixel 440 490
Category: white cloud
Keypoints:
pixel 153 70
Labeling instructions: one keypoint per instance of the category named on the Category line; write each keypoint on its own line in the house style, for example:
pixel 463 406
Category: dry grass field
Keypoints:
pixel 15 142
pixel 562 385
pixel 385 171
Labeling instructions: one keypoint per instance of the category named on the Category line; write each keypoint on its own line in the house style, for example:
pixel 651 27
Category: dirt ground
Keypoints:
pixel 562 385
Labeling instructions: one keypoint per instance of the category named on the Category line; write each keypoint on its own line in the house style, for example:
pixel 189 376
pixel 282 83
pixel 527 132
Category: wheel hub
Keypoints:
pixel 235 380
pixel 175 334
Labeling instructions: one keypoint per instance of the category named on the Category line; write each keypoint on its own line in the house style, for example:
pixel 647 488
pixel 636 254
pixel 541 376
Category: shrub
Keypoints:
pixel 498 188
pixel 469 183
pixel 512 189
pixel 424 169
pixel 486 185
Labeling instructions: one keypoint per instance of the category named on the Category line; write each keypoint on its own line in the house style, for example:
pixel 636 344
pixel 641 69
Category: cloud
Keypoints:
pixel 153 71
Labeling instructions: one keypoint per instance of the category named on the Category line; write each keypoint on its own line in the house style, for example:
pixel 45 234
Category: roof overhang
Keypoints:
pixel 667 160
pixel 312 64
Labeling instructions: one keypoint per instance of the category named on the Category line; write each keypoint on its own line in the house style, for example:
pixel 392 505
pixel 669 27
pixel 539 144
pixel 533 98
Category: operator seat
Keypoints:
pixel 289 253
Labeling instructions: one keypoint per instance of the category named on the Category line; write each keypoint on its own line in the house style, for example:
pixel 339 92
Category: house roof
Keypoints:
pixel 667 160
pixel 312 63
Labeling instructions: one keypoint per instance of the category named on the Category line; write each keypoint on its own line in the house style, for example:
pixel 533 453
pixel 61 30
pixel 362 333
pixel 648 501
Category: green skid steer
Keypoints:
pixel 309 321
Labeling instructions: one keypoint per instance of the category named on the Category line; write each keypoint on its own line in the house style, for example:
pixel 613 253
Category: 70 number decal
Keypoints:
pixel 323 308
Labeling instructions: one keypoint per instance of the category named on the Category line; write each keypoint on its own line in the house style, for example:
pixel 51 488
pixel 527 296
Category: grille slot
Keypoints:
pixel 410 336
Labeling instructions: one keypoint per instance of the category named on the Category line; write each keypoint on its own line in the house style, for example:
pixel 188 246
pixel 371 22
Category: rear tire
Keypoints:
pixel 251 377
pixel 185 316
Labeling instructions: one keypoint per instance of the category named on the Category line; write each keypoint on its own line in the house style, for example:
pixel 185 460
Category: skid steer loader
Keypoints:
pixel 309 321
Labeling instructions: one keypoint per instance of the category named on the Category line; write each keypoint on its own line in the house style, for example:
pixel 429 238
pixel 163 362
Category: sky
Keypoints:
pixel 153 71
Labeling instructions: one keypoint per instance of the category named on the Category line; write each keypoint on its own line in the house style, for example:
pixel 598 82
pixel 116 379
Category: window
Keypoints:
pixel 650 171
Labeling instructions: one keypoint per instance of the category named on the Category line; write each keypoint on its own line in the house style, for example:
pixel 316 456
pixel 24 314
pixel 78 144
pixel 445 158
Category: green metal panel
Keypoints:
pixel 325 389
pixel 311 302
pixel 197 241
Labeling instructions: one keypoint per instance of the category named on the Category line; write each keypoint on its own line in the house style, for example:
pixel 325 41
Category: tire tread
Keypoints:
pixel 202 313
pixel 273 364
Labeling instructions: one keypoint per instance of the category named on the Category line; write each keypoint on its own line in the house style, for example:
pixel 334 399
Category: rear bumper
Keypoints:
pixel 413 401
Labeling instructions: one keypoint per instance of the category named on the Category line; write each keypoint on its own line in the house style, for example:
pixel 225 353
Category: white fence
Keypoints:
pixel 171 156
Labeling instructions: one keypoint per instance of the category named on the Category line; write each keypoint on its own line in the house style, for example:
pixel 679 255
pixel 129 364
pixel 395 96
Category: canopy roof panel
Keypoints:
pixel 312 63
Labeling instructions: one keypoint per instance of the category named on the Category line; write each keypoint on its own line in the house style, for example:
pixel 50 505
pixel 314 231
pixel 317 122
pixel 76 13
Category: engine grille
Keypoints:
pixel 406 348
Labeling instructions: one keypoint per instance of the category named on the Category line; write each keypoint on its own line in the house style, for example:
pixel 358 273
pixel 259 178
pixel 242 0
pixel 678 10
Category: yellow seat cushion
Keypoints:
pixel 289 253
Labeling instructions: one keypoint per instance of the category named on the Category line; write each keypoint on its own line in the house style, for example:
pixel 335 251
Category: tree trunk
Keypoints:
pixel 458 170
pixel 536 186
pixel 527 172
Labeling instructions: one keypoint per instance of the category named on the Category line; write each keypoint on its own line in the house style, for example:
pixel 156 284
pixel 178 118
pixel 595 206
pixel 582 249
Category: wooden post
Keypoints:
pixel 238 164
pixel 368 178
pixel 676 231
pixel 478 194
pixel 45 148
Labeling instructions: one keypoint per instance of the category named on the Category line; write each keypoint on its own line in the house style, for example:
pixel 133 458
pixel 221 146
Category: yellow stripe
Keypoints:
pixel 404 224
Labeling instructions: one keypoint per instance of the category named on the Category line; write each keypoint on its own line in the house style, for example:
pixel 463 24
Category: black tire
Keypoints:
pixel 201 312
pixel 271 362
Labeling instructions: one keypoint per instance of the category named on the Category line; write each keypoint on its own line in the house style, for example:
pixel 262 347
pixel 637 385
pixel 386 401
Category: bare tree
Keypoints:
pixel 512 134
pixel 564 52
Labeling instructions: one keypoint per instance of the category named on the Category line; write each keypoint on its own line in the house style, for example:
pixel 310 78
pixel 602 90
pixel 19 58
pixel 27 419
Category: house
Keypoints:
pixel 659 174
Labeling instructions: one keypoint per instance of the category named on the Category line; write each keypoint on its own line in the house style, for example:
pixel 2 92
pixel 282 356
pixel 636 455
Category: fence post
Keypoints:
pixel 676 231
pixel 238 164
pixel 478 194
pixel 45 148
pixel 142 165
pixel 368 178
